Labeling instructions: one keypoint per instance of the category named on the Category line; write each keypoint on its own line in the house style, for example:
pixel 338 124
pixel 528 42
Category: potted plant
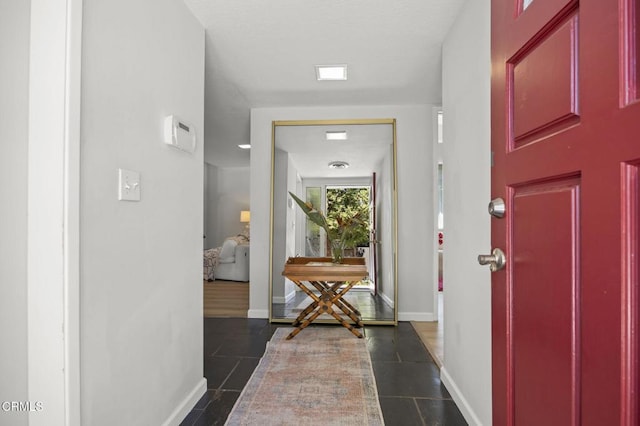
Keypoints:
pixel 343 231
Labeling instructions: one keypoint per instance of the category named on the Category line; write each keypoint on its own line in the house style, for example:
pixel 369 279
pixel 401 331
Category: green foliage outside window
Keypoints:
pixel 347 221
pixel 348 214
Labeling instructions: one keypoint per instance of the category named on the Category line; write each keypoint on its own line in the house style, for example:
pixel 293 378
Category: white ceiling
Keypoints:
pixel 366 146
pixel 262 53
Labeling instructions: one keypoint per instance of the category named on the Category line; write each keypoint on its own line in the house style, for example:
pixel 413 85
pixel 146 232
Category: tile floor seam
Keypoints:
pixel 428 398
pixel 221 387
pixel 415 404
pixel 238 356
pixel 433 398
pixel 216 351
pixel 198 417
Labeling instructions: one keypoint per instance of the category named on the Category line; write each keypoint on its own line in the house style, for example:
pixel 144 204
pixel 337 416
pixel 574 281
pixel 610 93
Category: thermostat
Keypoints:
pixel 179 134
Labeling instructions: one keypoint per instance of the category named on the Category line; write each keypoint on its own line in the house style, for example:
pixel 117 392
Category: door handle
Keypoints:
pixel 496 260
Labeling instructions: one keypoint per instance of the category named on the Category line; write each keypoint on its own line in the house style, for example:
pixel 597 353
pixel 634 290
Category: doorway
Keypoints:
pixel 343 202
pixel 437 335
pixel 432 332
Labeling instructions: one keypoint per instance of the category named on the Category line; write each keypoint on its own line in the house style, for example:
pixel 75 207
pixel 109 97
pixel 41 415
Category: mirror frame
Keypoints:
pixel 394 224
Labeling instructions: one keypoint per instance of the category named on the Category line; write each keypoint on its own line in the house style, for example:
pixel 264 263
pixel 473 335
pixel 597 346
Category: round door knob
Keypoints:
pixel 496 260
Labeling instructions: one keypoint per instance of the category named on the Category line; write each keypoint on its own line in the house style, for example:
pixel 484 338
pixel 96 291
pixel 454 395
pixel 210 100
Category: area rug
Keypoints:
pixel 323 376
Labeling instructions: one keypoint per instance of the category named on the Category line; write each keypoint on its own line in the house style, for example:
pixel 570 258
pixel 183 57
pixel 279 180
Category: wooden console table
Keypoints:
pixel 333 281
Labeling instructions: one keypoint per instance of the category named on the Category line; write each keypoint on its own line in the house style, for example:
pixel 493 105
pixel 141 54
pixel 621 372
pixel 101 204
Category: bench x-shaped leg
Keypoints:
pixel 329 295
pixel 310 307
pixel 336 296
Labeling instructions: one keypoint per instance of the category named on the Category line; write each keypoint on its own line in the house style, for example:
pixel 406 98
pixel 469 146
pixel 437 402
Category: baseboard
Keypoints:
pixel 416 316
pixel 464 407
pixel 258 313
pixel 387 300
pixel 286 299
pixel 187 404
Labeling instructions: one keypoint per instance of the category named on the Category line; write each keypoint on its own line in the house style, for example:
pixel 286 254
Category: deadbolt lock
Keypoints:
pixel 497 208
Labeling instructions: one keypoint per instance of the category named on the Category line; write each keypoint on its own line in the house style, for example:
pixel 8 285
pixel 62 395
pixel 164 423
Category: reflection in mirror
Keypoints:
pixel 341 168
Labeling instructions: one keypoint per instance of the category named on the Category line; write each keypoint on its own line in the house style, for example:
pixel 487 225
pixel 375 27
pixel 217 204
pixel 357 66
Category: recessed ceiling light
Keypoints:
pixel 331 72
pixel 244 146
pixel 338 165
pixel 337 135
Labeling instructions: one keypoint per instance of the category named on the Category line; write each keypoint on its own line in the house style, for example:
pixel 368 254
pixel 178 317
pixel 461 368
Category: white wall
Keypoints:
pixel 227 194
pixel 384 229
pixel 14 111
pixel 233 197
pixel 293 182
pixel 466 155
pixel 141 264
pixel 415 230
pixel 281 159
pixel 210 205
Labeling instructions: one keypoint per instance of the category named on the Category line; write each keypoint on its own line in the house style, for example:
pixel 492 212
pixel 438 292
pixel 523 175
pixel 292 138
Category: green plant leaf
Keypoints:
pixel 314 215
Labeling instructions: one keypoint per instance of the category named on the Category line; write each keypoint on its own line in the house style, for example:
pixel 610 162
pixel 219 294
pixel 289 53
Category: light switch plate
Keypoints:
pixel 128 185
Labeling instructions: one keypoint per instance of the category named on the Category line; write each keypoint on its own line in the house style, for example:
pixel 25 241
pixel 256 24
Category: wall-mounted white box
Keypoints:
pixel 179 134
pixel 128 185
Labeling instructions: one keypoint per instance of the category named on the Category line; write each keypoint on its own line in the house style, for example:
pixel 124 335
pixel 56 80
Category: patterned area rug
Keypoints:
pixel 323 376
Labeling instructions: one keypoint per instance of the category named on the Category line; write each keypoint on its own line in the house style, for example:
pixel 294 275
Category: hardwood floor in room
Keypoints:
pixel 432 334
pixel 225 299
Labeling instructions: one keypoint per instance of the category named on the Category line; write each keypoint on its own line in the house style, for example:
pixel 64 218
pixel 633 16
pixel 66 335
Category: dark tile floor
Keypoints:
pixel 408 381
pixel 371 307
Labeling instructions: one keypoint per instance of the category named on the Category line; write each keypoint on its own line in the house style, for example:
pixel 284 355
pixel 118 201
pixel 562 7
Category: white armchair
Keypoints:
pixel 233 265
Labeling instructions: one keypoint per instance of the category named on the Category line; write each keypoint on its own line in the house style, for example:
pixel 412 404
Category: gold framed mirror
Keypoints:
pixel 335 164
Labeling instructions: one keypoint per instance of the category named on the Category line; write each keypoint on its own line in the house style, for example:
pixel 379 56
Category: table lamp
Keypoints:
pixel 245 217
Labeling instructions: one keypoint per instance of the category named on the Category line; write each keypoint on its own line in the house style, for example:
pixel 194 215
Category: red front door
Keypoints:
pixel 566 147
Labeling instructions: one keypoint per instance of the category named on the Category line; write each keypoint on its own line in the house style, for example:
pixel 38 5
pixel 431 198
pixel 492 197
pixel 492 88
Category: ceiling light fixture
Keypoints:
pixel 336 135
pixel 331 72
pixel 338 165
pixel 244 146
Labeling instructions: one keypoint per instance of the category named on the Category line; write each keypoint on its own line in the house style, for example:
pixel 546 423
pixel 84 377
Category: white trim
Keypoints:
pixel 286 299
pixel 462 403
pixel 258 313
pixel 417 316
pixel 387 300
pixel 187 404
pixel 72 212
pixel 437 159
pixel 53 297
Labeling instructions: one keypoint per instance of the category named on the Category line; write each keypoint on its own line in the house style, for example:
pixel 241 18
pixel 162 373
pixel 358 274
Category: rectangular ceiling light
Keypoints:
pixel 331 72
pixel 339 135
pixel 244 146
